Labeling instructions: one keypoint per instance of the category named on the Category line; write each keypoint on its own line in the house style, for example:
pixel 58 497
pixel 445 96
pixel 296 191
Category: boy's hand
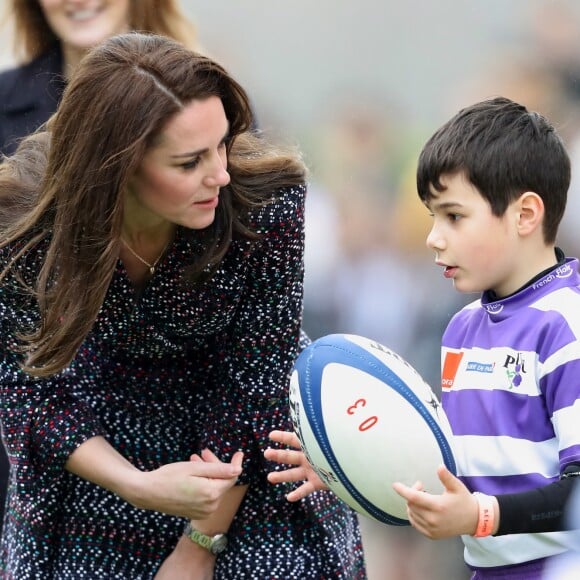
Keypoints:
pixel 453 513
pixel 303 470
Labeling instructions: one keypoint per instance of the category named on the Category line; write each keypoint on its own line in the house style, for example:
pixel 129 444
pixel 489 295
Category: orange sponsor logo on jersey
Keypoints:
pixel 450 366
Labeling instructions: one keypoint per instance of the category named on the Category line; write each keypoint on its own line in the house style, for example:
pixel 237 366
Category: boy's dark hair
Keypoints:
pixel 504 150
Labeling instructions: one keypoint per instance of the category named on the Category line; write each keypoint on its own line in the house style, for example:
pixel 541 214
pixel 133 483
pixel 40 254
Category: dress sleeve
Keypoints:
pixel 43 420
pixel 252 393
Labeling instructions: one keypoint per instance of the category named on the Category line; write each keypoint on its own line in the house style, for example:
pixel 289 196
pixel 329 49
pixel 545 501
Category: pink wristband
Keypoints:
pixel 486 517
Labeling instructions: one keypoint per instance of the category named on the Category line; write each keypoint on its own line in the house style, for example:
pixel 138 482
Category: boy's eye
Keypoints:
pixel 453 217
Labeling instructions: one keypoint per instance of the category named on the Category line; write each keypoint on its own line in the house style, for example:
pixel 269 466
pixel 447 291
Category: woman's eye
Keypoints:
pixel 191 164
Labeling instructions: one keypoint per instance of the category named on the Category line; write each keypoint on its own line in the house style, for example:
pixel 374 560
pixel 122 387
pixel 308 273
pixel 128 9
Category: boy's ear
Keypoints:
pixel 531 213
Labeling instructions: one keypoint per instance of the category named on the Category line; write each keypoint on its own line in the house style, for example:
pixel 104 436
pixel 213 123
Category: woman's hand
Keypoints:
pixel 190 489
pixel 189 560
pixel 303 470
pixel 453 513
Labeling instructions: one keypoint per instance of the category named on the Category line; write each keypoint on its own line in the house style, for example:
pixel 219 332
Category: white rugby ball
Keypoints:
pixel 365 419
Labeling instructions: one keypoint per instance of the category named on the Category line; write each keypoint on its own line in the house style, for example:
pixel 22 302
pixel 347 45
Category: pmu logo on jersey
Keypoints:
pixel 515 369
pixel 450 366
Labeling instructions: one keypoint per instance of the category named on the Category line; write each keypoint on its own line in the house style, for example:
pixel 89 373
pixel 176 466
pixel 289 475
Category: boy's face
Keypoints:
pixel 478 250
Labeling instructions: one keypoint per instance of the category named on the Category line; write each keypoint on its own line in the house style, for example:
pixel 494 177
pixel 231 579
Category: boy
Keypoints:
pixel 495 178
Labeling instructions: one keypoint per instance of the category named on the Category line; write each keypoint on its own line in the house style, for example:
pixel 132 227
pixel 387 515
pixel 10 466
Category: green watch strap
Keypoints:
pixel 214 544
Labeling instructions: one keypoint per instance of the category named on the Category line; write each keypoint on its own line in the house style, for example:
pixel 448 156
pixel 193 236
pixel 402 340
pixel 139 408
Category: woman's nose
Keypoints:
pixel 218 176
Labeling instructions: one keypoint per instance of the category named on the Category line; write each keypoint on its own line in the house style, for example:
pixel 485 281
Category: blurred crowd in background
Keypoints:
pixel 368 271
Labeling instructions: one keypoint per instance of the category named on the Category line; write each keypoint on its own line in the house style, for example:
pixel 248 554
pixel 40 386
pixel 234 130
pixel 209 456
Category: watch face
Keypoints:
pixel 219 543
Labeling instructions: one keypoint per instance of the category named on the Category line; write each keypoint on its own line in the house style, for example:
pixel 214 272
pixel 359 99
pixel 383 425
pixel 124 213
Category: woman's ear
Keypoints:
pixel 530 214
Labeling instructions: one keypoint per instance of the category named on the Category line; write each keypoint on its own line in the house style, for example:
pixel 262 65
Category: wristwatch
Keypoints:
pixel 215 544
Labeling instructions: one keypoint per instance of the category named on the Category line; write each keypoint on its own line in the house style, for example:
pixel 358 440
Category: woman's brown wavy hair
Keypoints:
pixel 65 187
pixel 33 35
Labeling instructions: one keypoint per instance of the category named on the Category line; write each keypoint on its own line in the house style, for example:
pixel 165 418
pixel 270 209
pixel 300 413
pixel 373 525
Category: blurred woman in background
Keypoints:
pixel 50 38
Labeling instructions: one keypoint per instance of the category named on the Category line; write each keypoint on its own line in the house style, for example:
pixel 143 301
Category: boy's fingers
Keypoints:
pixel 286 456
pixel 295 474
pixel 449 481
pixel 285 438
pixel 301 492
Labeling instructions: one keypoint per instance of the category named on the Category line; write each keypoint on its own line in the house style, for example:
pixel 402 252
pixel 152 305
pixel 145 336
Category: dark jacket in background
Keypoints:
pixel 29 95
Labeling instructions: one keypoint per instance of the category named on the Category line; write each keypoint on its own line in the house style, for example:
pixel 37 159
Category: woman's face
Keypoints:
pixel 180 178
pixel 82 24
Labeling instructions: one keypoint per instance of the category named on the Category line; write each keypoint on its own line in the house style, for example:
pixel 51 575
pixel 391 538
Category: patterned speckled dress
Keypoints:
pixel 163 374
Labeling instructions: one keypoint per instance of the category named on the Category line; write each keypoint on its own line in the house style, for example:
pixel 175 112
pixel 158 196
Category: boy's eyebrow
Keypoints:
pixel 445 205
